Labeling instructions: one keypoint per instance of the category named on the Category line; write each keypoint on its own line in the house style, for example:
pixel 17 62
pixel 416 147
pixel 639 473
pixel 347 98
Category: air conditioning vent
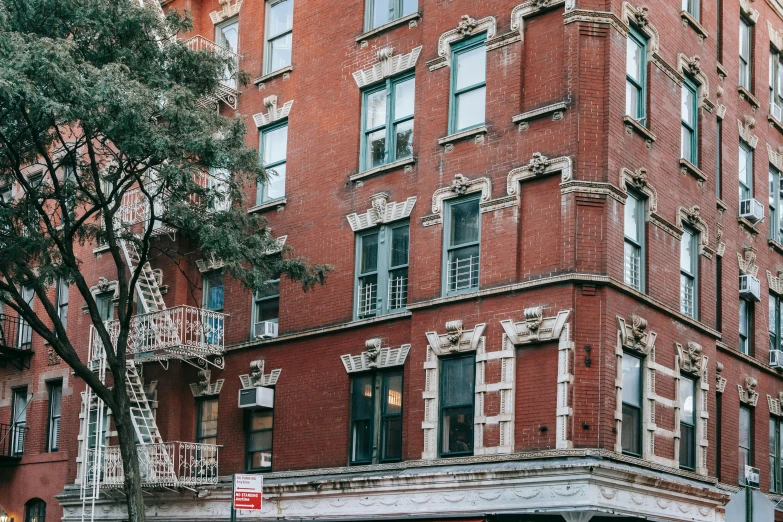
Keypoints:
pixel 776 358
pixel 751 210
pixel 265 330
pixel 257 397
pixel 749 288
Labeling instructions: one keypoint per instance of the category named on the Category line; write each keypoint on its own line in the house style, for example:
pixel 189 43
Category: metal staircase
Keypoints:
pixel 92 458
pixel 150 298
pixel 141 412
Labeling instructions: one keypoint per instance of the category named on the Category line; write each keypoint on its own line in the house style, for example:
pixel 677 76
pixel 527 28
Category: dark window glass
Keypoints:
pixel 206 430
pixel 391 417
pixel 687 423
pixel 259 439
pixel 362 399
pixel 55 403
pixel 35 510
pixel 632 405
pixel 456 411
pixel 745 442
pixel 462 263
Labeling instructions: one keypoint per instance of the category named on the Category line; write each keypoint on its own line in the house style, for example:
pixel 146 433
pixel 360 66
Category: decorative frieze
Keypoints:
pixel 466 28
pixel 257 378
pixel 273 112
pixel 748 395
pixel 375 357
pixel 745 131
pixel 388 65
pixel 538 166
pixel 228 9
pixel 747 262
pixel 381 211
pixel 535 328
pixel 692 217
pixel 204 387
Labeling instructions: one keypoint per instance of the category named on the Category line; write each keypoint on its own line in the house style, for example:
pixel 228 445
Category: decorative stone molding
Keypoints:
pixel 228 8
pixel 690 359
pixel 775 158
pixel 774 405
pixel 532 8
pixel 745 131
pixel 720 111
pixel 105 286
pixel 456 339
pixel 52 358
pixel 208 265
pixel 720 382
pixel 748 395
pixel 466 28
pixel 273 113
pixel 388 65
pixel 204 387
pixel 375 357
pixel 691 67
pixel 720 246
pixel 257 378
pixel 638 17
pixel 459 187
pixel 538 166
pixel 278 246
pixel 775 37
pixel 747 262
pixel 557 110
pixel 775 283
pixel 381 212
pixel 535 327
pixel 637 180
pixel 634 336
pixel 692 217
pixel 746 9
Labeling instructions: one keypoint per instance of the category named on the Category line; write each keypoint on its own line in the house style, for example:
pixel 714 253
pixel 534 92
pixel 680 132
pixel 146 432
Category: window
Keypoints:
pixel 719 293
pixel 457 379
pixel 379 12
pixel 746 309
pixel 719 160
pixel 745 171
pixel 690 111
pixel 745 54
pixel 635 82
pixel 776 85
pixel 468 84
pixel 382 270
pixel 689 273
pixel 691 7
pixel 105 304
pixel 259 440
pixel 63 291
pixel 687 423
pixel 775 456
pixel 775 323
pixel 218 185
pixel 273 145
pixel 35 510
pixel 463 231
pixel 634 242
pixel 55 390
pixel 93 428
pixel 266 304
pixel 376 418
pixel 745 442
pixel 207 422
pixel 18 420
pixel 25 335
pixel 631 436
pixel 279 27
pixel 775 215
pixel 387 122
pixel 227 37
pixel 212 299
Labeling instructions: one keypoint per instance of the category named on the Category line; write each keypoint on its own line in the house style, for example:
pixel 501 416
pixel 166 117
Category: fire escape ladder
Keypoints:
pixel 150 298
pixel 92 458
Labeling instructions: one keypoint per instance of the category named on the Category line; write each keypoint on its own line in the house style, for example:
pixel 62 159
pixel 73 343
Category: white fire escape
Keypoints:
pixel 157 333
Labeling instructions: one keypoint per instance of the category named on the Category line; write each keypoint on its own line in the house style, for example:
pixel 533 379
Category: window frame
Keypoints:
pixel 60 306
pixel 205 287
pixel 691 465
pixel 641 86
pixel 53 419
pixel 200 437
pixel 259 299
pixel 269 38
pixel 457 49
pixel 745 78
pixel 746 149
pixel 39 505
pixel 640 408
pixel 775 322
pixel 746 334
pixel 379 380
pixel 383 269
pixel 21 391
pixel 692 8
pixel 24 337
pixel 442 408
pixel 776 84
pixel 749 448
pixel 775 208
pixel 693 275
pixel 396 12
pixel 249 432
pixel 261 197
pixel 640 244
pixel 448 248
pixel 692 130
pixel 389 85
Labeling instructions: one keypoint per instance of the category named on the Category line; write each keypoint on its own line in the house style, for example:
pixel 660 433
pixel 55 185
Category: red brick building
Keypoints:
pixel 546 303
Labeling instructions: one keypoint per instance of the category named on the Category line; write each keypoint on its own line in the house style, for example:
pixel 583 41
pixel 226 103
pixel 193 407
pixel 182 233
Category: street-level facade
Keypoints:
pixel 546 302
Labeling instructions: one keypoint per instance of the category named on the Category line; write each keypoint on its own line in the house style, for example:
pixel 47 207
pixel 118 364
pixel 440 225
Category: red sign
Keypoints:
pixel 248 492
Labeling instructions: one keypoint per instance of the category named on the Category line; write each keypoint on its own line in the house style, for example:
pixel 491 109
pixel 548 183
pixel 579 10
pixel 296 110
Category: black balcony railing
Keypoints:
pixel 12 438
pixel 16 341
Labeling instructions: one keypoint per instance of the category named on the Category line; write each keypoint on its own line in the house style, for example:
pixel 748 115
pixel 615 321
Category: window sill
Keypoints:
pixel 631 125
pixel 556 110
pixel 774 245
pixel 688 19
pixel 469 133
pixel 746 95
pixel 722 71
pixel 388 26
pixel 278 203
pixel 100 249
pixel 774 122
pixel 383 168
pixel 686 167
pixel 273 74
pixel 744 223
pixel 722 206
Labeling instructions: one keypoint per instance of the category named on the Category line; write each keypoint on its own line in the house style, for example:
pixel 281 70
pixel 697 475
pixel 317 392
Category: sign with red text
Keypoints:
pixel 248 492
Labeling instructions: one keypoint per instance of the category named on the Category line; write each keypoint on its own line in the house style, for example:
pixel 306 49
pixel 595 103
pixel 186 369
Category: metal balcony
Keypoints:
pixel 12 438
pixel 16 338
pixel 167 464
pixel 227 91
pixel 181 332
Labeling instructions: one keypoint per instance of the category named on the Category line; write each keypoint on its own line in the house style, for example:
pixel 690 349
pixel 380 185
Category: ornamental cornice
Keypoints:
pixel 745 131
pixel 375 357
pixel 535 327
pixel 538 166
pixel 204 387
pixel 228 8
pixel 256 378
pixel 748 395
pixel 691 359
pixel 466 28
pixel 456 339
pixel 273 113
pixel 595 17
pixel 388 65
pixel 381 211
pixel 532 8
pixel 692 217
pixel 634 335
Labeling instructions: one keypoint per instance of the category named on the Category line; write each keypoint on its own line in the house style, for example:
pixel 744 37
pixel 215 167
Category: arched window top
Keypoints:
pixel 35 510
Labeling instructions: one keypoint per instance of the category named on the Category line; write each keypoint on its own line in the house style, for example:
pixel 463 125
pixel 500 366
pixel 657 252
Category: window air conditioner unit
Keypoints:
pixel 749 288
pixel 776 358
pixel 265 330
pixel 266 460
pixel 751 210
pixel 259 397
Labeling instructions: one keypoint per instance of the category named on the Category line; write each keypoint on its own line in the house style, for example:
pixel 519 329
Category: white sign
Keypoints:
pixel 248 492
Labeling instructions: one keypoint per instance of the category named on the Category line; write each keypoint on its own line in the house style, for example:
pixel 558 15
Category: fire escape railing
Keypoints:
pixel 227 92
pixel 12 439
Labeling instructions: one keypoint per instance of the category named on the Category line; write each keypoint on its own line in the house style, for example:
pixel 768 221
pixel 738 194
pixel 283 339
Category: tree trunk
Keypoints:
pixel 130 458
